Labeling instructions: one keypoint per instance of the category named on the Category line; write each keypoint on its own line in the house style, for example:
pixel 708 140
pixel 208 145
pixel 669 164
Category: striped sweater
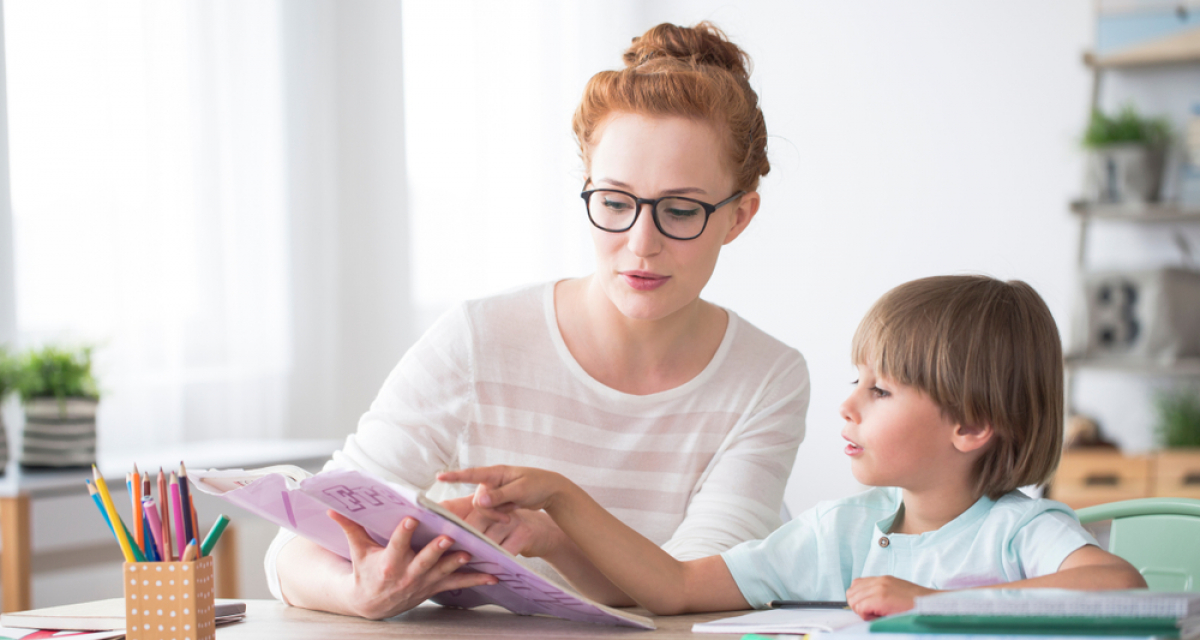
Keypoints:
pixel 697 469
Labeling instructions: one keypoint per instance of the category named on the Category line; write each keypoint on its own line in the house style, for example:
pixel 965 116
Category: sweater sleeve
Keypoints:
pixel 739 496
pixel 413 428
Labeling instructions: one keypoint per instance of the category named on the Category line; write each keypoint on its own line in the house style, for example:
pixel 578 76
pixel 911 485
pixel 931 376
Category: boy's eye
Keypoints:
pixel 879 393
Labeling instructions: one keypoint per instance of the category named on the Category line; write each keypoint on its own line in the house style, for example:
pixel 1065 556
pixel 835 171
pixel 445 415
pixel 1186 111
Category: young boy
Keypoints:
pixel 958 402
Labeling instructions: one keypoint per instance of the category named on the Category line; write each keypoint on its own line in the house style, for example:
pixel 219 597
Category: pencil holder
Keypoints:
pixel 170 600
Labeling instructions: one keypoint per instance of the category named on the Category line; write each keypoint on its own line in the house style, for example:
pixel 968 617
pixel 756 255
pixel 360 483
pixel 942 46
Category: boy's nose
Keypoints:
pixel 847 410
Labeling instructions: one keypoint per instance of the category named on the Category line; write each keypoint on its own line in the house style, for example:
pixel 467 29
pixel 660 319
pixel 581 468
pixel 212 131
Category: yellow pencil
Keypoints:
pixel 113 516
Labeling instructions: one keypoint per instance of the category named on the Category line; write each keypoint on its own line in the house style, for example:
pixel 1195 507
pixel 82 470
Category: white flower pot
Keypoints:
pixel 1125 173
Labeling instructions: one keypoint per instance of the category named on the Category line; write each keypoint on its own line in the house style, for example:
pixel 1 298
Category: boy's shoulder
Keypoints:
pixel 1020 508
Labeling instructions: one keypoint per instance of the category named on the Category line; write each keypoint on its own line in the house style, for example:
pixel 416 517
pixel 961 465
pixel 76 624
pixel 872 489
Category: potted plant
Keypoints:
pixel 1126 154
pixel 1178 420
pixel 60 397
pixel 8 374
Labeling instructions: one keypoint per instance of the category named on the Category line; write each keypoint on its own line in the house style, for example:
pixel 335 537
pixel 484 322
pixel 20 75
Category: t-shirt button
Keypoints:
pixel 884 542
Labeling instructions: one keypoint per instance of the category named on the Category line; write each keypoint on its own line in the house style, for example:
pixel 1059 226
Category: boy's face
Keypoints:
pixel 897 436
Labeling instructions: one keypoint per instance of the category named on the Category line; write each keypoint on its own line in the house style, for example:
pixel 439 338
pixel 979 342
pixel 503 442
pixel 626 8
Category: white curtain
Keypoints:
pixel 148 169
pixel 494 172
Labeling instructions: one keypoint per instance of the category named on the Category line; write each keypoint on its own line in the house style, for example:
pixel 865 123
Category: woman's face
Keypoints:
pixel 645 274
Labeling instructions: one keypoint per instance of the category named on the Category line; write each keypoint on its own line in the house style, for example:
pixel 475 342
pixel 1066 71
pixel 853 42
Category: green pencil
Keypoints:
pixel 214 534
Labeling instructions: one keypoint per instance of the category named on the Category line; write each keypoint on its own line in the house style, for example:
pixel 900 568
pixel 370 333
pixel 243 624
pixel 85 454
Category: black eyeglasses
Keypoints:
pixel 675 216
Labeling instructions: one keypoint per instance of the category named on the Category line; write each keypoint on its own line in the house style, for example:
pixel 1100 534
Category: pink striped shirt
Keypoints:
pixel 697 469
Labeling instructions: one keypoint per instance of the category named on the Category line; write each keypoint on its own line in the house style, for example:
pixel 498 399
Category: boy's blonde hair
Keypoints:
pixel 986 352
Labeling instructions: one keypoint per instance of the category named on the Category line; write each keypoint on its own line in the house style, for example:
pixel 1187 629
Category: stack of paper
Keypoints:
pixel 1051 611
pixel 776 621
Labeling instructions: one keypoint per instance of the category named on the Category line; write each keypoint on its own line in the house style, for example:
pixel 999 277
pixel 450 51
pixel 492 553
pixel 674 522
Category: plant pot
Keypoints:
pixel 3 447
pixel 1125 173
pixel 58 434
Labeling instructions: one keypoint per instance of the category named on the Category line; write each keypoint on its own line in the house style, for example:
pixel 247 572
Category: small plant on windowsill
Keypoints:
pixel 1126 154
pixel 1178 419
pixel 60 398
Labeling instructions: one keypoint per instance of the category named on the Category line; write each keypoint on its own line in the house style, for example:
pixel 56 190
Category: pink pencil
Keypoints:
pixel 177 513
pixel 156 529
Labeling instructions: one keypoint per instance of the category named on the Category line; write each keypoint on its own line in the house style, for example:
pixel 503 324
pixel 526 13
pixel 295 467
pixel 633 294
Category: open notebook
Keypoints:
pixel 295 500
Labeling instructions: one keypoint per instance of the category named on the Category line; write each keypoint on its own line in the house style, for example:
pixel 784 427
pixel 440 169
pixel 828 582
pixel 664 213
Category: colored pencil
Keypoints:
pixel 99 505
pixel 135 495
pixel 177 514
pixel 147 535
pixel 189 553
pixel 214 534
pixel 189 524
pixel 113 516
pixel 156 529
pixel 104 513
pixel 164 509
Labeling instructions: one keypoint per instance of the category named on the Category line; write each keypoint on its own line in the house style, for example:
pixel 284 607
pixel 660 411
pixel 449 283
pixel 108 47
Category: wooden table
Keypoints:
pixel 273 619
pixel 18 487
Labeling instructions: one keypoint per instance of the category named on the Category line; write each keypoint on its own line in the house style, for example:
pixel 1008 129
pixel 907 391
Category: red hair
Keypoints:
pixel 690 72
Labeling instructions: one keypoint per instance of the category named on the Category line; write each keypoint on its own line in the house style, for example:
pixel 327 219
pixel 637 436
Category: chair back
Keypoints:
pixel 1158 536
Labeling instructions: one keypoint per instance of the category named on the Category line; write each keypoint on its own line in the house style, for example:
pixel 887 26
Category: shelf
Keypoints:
pixel 1136 212
pixel 1185 367
pixel 1178 48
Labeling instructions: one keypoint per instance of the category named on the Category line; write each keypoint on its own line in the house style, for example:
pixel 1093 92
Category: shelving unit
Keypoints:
pixel 1112 472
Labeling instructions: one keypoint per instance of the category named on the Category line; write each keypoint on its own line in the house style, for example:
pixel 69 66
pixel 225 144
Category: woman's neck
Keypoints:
pixel 931 509
pixel 635 356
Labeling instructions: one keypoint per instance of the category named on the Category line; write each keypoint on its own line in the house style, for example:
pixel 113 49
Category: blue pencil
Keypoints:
pixel 104 514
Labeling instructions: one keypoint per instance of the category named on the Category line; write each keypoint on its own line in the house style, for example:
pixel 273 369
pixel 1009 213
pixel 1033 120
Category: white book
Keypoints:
pixel 1060 603
pixel 782 621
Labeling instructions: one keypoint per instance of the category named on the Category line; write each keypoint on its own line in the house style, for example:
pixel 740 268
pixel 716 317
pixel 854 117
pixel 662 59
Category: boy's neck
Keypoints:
pixel 931 509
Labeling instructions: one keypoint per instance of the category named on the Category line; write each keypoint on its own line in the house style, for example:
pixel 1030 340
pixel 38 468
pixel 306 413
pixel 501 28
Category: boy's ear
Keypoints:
pixel 972 438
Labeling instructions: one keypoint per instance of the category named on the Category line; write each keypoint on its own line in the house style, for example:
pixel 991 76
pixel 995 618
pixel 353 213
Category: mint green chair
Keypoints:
pixel 1159 536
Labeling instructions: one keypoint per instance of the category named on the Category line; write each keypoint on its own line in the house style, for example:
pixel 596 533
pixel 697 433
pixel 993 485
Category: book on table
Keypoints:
pixel 98 615
pixel 297 500
pixel 1051 611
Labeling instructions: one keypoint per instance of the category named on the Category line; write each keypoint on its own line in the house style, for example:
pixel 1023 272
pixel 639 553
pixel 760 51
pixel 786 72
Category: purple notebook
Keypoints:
pixel 288 497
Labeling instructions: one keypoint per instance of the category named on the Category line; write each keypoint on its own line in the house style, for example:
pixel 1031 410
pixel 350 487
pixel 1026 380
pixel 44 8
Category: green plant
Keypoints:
pixel 1178 419
pixel 1128 126
pixel 56 372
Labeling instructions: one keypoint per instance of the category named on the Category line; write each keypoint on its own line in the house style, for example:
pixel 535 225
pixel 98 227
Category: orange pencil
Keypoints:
pixel 136 495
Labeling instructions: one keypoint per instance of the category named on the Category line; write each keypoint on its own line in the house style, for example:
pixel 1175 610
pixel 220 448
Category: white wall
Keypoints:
pixel 907 140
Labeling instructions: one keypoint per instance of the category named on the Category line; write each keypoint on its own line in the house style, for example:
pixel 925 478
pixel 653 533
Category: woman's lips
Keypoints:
pixel 643 280
pixel 853 449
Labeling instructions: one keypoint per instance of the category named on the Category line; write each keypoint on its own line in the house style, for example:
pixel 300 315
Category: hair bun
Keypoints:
pixel 703 44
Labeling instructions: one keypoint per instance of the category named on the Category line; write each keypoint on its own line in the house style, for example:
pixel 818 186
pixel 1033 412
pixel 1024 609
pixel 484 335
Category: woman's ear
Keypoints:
pixel 746 208
pixel 972 438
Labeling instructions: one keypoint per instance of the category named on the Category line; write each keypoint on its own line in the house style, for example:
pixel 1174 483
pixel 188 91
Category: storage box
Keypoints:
pixel 1177 473
pixel 169 600
pixel 1086 478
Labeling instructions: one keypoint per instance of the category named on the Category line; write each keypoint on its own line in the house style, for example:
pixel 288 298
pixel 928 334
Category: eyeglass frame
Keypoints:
pixel 709 209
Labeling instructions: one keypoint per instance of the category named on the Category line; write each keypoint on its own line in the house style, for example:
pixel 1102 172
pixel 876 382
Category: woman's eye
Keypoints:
pixel 682 213
pixel 854 384
pixel 879 393
pixel 616 205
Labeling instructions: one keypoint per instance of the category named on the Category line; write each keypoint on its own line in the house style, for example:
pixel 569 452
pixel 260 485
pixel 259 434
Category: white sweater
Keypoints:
pixel 697 469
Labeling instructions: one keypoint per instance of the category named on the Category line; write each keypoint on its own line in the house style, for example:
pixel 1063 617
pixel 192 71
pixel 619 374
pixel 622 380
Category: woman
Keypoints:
pixel 677 416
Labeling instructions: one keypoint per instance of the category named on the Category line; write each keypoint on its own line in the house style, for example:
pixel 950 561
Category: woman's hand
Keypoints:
pixel 881 596
pixel 389 580
pixel 503 489
pixel 527 533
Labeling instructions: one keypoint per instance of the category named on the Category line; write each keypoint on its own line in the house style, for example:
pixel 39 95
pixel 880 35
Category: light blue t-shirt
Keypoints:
pixel 817 555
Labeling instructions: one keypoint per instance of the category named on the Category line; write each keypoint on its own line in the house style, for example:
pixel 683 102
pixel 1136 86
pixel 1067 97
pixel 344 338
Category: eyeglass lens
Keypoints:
pixel 615 211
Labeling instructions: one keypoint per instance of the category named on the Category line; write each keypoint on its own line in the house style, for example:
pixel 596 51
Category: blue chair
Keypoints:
pixel 1158 536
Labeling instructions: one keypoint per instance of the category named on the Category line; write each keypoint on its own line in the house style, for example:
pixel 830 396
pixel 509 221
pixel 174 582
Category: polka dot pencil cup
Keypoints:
pixel 170 600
